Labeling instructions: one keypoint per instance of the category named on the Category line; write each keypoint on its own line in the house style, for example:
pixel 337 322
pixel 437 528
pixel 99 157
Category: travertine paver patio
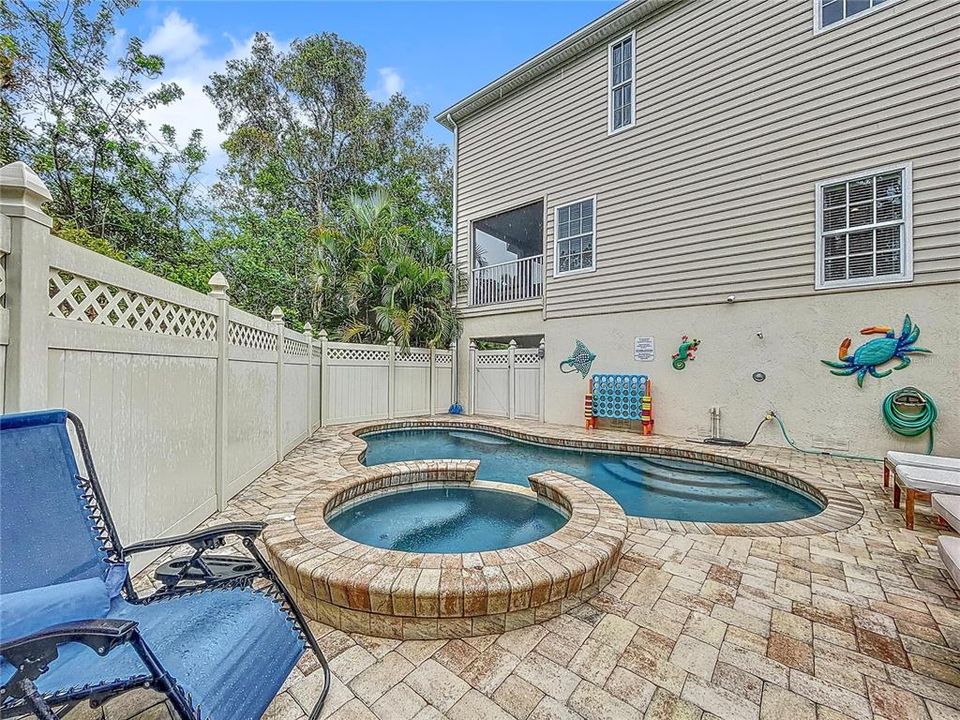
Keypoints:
pixel 859 623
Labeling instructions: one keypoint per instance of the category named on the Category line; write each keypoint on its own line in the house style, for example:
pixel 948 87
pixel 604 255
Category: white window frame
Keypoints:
pixel 906 270
pixel 556 238
pixel 818 15
pixel 632 36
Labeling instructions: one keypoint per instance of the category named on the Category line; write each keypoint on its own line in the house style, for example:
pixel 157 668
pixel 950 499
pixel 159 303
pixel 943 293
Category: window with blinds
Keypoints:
pixel 864 233
pixel 575 225
pixel 621 77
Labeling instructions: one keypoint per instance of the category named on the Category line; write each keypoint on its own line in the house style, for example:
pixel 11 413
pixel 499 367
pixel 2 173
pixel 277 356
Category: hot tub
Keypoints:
pixel 423 550
pixel 447 519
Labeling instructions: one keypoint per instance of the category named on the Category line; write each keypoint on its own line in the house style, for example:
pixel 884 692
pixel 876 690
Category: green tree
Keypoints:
pixel 302 134
pixel 268 261
pixel 76 115
pixel 377 278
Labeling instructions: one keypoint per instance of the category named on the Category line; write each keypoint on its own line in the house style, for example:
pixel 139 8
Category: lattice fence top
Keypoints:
pixel 444 359
pixel 358 353
pixel 246 336
pixel 73 297
pixel 526 358
pixel 295 348
pixel 499 359
pixel 317 352
pixel 414 356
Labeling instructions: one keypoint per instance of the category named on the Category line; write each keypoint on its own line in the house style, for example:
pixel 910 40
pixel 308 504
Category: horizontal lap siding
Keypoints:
pixel 741 110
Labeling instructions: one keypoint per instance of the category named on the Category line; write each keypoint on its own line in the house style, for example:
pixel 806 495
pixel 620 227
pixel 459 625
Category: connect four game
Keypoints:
pixel 619 397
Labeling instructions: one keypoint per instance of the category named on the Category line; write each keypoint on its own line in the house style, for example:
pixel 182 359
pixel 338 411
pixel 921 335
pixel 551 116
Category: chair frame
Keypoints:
pixel 32 655
pixel 911 497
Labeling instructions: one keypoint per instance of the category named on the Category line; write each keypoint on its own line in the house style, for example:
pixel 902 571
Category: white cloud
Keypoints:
pixel 189 65
pixel 391 82
pixel 175 39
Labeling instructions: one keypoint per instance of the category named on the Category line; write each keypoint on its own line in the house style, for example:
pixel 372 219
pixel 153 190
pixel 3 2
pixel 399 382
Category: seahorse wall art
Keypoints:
pixel 872 354
pixel 580 361
pixel 685 352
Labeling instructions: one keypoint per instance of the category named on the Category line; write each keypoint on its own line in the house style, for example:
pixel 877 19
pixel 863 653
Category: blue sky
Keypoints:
pixel 434 52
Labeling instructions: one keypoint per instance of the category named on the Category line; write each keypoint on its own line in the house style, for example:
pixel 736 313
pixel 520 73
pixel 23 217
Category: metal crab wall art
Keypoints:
pixel 874 353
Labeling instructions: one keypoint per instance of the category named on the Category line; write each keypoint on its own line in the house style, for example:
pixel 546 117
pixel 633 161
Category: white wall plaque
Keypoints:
pixel 643 349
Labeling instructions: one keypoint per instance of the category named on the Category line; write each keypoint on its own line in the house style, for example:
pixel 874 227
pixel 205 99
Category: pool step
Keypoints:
pixel 683 465
pixel 692 478
pixel 735 495
pixel 480 438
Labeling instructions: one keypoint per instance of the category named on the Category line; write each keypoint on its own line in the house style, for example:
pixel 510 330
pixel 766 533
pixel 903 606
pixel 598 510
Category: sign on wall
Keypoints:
pixel 643 349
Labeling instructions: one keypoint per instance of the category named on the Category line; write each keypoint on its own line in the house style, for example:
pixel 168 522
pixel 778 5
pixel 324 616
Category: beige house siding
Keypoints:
pixel 740 111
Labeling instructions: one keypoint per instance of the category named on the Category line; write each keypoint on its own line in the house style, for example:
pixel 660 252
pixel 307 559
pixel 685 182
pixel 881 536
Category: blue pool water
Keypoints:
pixel 652 487
pixel 444 520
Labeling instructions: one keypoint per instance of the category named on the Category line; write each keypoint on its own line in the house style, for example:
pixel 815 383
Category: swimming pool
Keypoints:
pixel 649 486
pixel 447 520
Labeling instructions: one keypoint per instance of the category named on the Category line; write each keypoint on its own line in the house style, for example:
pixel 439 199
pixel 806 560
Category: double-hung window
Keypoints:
pixel 621 70
pixel 864 229
pixel 828 13
pixel 574 248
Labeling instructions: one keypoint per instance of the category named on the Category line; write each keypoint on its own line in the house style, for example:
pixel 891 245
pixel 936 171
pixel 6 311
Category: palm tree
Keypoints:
pixel 377 279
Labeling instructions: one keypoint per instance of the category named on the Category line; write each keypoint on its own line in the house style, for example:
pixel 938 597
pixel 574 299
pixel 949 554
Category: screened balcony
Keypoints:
pixel 507 259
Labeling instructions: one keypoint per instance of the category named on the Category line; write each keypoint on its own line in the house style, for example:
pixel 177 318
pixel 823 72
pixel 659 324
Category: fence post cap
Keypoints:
pixel 218 285
pixel 308 328
pixel 323 334
pixel 473 345
pixel 543 342
pixel 513 343
pixel 277 314
pixel 391 341
pixel 22 193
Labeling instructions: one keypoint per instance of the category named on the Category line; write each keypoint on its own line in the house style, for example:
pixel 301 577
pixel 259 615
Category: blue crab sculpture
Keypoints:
pixel 874 353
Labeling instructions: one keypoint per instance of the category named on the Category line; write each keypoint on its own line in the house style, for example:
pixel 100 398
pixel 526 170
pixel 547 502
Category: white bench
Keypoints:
pixel 949 546
pixel 894 459
pixel 921 482
pixel 948 508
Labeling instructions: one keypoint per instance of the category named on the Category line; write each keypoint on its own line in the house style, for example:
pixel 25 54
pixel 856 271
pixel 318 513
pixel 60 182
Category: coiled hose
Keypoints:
pixel 906 424
pixel 911 424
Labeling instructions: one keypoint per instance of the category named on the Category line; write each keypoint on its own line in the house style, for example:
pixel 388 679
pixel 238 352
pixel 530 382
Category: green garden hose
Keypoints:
pixel 783 429
pixel 906 424
pixel 910 424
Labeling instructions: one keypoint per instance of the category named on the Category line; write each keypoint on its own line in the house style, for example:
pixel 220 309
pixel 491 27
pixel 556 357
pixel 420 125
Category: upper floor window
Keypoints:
pixel 865 229
pixel 621 100
pixel 574 249
pixel 833 12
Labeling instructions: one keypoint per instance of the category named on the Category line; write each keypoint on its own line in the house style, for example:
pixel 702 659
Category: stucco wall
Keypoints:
pixel 817 407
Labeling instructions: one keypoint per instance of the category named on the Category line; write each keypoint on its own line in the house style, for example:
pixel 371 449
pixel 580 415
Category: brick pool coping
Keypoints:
pixel 418 596
pixel 841 509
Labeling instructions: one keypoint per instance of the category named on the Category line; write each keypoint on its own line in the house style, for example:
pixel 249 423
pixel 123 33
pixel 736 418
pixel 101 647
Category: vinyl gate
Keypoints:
pixel 507 383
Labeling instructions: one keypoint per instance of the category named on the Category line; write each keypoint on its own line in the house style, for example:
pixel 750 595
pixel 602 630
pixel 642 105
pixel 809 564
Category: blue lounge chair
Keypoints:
pixel 72 628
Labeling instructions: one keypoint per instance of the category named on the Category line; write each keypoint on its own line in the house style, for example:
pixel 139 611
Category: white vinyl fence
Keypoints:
pixel 185 398
pixel 370 382
pixel 507 383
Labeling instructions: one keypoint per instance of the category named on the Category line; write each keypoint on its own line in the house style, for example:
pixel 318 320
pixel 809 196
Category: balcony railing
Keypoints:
pixel 507 282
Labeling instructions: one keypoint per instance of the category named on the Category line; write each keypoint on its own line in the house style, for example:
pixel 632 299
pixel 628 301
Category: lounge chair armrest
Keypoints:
pixel 101 634
pixel 201 539
pixel 38 649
